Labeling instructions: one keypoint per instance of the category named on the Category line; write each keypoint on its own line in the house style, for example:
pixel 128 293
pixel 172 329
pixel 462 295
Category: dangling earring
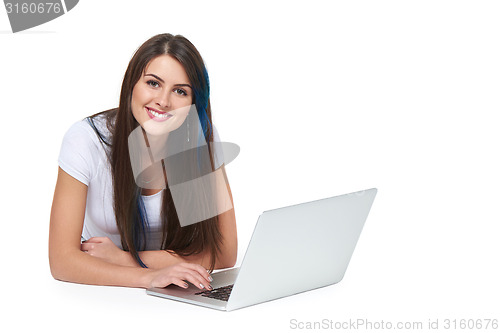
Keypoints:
pixel 188 129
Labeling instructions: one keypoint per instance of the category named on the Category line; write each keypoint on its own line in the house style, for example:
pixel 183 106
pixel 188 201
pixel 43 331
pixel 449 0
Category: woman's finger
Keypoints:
pixel 87 246
pixel 180 283
pixel 180 273
pixel 96 240
pixel 200 270
pixel 196 279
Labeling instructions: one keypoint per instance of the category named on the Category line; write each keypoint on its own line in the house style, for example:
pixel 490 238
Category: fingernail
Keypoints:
pixel 210 278
pixel 201 286
pixel 185 285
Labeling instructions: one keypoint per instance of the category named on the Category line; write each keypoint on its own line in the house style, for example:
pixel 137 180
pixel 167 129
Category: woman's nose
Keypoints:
pixel 163 100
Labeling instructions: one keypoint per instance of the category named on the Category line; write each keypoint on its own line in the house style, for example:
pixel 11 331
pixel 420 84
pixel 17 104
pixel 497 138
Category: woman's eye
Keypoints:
pixel 153 83
pixel 181 92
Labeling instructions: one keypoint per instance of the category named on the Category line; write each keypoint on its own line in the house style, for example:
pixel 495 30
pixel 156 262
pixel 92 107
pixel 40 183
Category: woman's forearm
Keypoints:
pixel 161 259
pixel 79 267
pixel 104 249
pixel 153 259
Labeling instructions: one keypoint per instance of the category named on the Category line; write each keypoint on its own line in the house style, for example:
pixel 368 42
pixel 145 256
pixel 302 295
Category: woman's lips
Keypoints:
pixel 157 115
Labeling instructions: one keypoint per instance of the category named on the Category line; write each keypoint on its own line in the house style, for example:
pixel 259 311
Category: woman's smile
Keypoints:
pixel 157 115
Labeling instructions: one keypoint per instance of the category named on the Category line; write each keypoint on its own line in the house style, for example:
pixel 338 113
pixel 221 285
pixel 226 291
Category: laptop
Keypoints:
pixel 292 250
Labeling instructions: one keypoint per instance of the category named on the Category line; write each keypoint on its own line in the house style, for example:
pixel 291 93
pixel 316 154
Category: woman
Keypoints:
pixel 132 233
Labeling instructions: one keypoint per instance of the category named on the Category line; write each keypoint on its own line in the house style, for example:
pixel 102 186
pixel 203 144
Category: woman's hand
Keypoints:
pixel 179 273
pixel 105 249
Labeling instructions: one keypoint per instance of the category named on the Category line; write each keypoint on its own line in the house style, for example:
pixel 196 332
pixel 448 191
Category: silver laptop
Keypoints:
pixel 292 250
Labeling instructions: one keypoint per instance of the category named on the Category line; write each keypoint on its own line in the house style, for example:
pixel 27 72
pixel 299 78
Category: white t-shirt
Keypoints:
pixel 84 157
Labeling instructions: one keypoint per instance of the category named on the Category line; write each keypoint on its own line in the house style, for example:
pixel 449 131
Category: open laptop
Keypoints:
pixel 292 250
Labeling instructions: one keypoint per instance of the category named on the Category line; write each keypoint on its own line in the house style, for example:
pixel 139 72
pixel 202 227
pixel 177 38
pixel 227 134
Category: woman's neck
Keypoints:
pixel 157 145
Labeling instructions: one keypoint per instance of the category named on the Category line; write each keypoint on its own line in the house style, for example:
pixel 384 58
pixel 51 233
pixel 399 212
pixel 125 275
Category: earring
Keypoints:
pixel 188 129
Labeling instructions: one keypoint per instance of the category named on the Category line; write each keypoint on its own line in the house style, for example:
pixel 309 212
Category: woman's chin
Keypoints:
pixel 156 128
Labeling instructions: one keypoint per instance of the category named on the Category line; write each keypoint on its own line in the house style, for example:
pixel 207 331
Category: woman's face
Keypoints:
pixel 162 97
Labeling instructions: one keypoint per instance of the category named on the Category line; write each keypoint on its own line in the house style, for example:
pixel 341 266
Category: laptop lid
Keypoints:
pixel 301 247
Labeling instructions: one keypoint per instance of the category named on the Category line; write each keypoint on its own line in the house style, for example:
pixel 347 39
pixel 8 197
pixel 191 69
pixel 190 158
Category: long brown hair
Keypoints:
pixel 128 206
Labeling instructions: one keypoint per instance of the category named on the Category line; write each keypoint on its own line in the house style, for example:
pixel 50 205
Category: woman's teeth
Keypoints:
pixel 159 115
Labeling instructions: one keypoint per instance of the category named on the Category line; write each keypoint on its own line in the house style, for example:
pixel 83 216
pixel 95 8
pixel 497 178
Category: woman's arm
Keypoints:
pixel 69 263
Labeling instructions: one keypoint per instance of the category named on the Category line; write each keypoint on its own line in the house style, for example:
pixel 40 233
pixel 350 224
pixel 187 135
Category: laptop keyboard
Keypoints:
pixel 222 293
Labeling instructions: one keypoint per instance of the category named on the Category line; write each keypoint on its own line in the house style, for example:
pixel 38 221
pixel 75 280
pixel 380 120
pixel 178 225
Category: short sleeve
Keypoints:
pixel 76 157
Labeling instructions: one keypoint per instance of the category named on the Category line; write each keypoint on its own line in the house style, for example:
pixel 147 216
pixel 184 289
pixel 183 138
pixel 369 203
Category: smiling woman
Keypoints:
pixel 154 97
pixel 132 233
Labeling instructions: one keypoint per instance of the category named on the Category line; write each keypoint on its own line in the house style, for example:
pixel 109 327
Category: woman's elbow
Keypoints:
pixel 228 260
pixel 230 263
pixel 55 269
pixel 59 265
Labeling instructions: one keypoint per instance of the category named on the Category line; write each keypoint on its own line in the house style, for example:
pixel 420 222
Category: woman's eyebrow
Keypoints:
pixel 182 85
pixel 161 80
pixel 156 77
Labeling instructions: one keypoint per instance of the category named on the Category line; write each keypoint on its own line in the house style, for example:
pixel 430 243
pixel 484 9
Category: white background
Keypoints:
pixel 323 98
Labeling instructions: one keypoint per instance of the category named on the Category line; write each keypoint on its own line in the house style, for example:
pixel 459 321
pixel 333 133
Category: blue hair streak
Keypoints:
pixel 141 228
pixel 202 94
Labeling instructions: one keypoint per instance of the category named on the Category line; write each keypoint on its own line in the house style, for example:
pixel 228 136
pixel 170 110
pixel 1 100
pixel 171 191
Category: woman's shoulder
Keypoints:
pixel 84 149
pixel 102 124
pixel 95 128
